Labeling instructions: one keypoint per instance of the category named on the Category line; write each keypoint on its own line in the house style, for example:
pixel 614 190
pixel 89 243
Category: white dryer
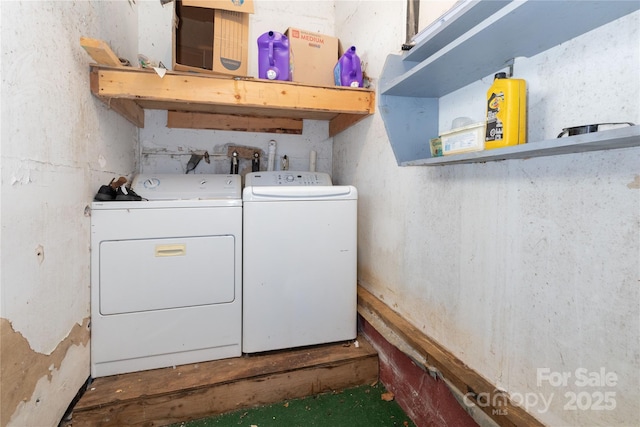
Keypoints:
pixel 299 265
pixel 166 273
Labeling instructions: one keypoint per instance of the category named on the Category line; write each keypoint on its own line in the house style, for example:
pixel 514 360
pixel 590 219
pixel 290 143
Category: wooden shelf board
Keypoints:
pixel 100 52
pixel 203 93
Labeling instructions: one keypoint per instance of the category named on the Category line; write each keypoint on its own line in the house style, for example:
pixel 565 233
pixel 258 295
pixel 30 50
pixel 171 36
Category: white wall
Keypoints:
pixel 165 150
pixel 59 144
pixel 521 264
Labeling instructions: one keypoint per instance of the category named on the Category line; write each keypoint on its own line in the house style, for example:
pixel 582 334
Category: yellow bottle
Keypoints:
pixel 506 112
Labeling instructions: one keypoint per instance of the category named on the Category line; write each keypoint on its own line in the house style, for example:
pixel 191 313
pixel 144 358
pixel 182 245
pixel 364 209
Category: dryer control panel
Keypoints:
pixel 187 186
pixel 272 178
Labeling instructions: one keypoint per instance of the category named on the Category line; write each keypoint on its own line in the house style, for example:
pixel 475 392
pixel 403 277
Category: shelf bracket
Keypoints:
pixel 510 63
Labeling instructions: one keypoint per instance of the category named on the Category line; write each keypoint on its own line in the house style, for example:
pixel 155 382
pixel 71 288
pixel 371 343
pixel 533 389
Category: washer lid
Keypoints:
pixel 187 186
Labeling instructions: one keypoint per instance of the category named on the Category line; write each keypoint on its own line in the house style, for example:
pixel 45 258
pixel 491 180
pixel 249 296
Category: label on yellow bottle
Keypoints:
pixel 495 127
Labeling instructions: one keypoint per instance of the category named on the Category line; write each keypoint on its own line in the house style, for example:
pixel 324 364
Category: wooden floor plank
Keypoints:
pixel 168 395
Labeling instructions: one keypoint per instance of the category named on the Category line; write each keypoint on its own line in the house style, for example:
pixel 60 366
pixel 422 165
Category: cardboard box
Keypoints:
pixel 212 36
pixel 312 56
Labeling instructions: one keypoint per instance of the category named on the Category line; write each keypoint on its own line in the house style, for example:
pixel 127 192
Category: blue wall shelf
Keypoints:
pixel 453 52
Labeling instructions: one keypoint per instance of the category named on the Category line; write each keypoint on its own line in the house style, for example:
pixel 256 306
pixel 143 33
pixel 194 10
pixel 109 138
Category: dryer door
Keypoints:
pixel 157 274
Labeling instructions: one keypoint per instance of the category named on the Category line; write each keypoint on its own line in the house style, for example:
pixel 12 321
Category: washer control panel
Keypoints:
pixel 287 178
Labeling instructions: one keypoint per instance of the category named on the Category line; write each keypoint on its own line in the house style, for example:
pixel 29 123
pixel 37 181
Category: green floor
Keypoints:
pixel 356 407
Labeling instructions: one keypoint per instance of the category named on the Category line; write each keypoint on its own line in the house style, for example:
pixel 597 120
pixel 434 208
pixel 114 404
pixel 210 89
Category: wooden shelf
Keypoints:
pixel 596 141
pixel 225 103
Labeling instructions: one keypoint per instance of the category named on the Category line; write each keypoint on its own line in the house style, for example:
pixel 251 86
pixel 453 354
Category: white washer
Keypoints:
pixel 299 261
pixel 166 284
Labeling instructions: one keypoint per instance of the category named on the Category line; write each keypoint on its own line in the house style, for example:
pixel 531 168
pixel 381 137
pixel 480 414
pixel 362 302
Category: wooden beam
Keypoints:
pixel 465 379
pixel 243 152
pixel 342 122
pixel 191 120
pixel 128 108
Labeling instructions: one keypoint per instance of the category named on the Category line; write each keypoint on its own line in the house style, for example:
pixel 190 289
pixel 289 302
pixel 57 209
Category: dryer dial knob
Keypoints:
pixel 151 183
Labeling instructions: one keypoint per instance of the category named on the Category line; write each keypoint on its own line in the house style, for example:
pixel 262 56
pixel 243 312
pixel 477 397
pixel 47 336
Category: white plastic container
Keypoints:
pixel 464 139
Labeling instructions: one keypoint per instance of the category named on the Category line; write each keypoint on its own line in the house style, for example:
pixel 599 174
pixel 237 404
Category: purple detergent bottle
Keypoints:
pixel 273 56
pixel 348 71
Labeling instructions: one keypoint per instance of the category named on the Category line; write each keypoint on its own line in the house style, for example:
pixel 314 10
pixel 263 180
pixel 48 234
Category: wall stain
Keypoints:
pixel 635 184
pixel 21 367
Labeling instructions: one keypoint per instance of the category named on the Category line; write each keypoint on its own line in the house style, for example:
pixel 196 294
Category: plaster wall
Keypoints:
pixel 58 145
pixel 513 266
pixel 518 267
pixel 431 10
pixel 165 150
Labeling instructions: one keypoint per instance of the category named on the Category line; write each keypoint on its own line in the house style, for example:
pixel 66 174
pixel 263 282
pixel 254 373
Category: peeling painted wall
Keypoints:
pixel 165 150
pixel 516 265
pixel 59 144
pixel 28 376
